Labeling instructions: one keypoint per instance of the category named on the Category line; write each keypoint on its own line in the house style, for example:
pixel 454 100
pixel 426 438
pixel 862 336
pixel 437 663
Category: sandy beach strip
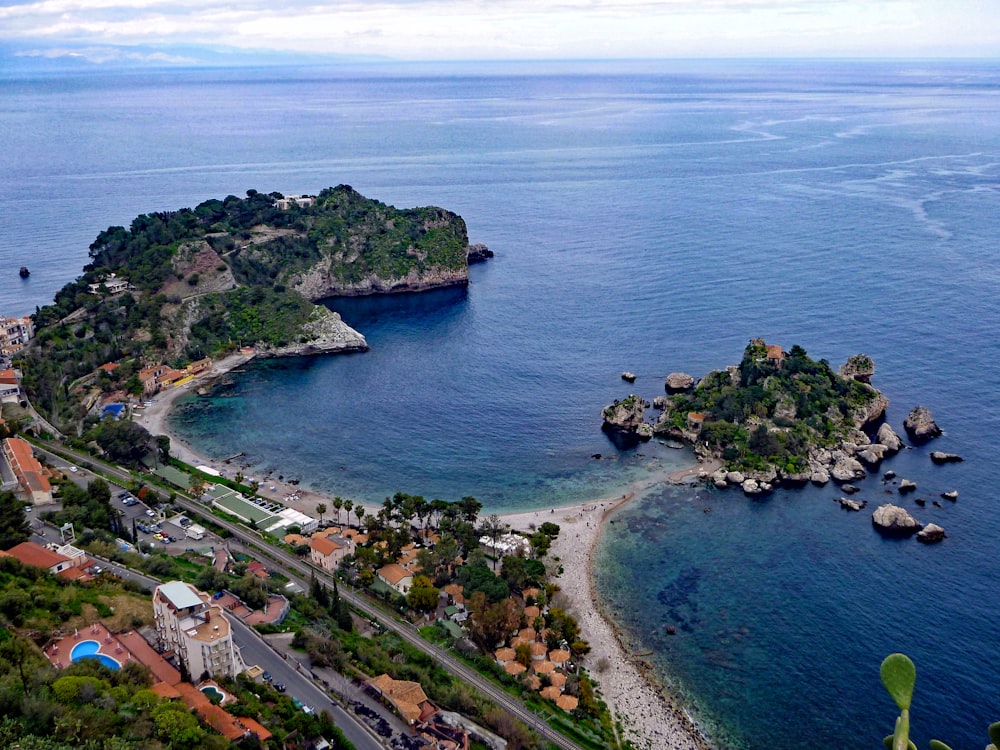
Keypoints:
pixel 651 718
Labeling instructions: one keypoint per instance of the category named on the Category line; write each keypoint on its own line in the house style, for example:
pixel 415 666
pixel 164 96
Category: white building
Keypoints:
pixel 197 630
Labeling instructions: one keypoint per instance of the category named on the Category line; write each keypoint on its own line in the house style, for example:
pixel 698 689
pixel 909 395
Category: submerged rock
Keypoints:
pixel 848 504
pixel 940 457
pixel 920 424
pixel 892 520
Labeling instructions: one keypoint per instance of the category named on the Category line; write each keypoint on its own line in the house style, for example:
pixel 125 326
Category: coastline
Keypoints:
pixel 650 716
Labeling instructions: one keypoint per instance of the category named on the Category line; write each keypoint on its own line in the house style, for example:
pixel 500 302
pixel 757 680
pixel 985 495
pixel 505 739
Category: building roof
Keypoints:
pixel 165 690
pixel 559 656
pixel 532 612
pixel 774 351
pixel 550 693
pixel 109 366
pixel 567 702
pixel 558 679
pixel 544 667
pixel 323 546
pixel 30 553
pixel 504 654
pixel 514 668
pixel 8 377
pixel 181 595
pixel 145 654
pixel 393 573
pixel 408 697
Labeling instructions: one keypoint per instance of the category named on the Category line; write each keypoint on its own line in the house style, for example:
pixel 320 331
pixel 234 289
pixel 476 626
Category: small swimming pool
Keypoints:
pixel 213 692
pixel 89 650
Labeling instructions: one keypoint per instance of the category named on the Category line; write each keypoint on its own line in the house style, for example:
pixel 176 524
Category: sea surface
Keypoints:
pixel 649 217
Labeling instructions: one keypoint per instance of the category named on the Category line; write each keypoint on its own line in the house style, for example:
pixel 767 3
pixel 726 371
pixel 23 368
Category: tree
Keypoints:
pixel 321 509
pixel 490 624
pixel 14 527
pixel 422 596
pixel 124 442
pixel 163 446
pixel 348 506
pixel 494 528
pixel 338 503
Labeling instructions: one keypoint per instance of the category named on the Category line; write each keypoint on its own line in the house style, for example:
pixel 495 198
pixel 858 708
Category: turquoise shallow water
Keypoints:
pixel 649 217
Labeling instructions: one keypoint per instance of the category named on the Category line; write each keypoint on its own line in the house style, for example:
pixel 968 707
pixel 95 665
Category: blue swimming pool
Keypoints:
pixel 213 692
pixel 88 650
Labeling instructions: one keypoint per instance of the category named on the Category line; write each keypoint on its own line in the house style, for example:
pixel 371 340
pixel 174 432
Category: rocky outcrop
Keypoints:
pixel 819 476
pixel 871 412
pixel 625 417
pixel 847 469
pixel 324 333
pixel 940 457
pixel 920 425
pixel 477 253
pixel 660 402
pixel 677 382
pixel 906 487
pixel 628 377
pixel 872 454
pixel 950 495
pixel 931 534
pixel 860 367
pixel 892 520
pixel 321 282
pixel 888 437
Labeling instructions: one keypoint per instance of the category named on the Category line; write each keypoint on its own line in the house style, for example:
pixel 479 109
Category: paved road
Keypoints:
pixel 291 564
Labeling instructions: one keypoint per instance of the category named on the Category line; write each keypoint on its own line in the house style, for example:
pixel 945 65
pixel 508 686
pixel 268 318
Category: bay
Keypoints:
pixel 646 216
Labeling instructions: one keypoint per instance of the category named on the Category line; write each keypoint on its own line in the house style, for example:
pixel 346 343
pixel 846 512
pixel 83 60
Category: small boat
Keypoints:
pixel 24 272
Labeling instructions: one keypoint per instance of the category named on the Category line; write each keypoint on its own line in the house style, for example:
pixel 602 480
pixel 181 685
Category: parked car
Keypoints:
pixel 151 513
pixel 279 686
pixel 266 677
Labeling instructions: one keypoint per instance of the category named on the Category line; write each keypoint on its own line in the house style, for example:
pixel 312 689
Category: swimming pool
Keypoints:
pixel 213 692
pixel 89 650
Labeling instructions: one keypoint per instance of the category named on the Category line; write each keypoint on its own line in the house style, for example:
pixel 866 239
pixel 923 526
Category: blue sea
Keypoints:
pixel 649 217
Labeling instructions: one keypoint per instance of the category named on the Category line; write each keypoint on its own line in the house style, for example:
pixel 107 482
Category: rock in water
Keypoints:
pixel 920 424
pixel 847 469
pixel 860 367
pixel 950 495
pixel 628 377
pixel 625 416
pixel 848 504
pixel 888 437
pixel 939 457
pixel 906 487
pixel 678 381
pixel 478 253
pixel 892 520
pixel 931 533
pixel 872 454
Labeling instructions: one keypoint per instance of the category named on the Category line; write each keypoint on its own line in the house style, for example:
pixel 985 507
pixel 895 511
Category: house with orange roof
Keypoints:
pixel 406 697
pixel 28 472
pixel 396 577
pixel 196 368
pixel 774 355
pixel 328 551
pixel 37 556
pixel 10 385
pixel 109 367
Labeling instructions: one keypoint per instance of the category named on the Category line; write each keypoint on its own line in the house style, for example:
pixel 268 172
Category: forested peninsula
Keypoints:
pixel 177 287
pixel 775 418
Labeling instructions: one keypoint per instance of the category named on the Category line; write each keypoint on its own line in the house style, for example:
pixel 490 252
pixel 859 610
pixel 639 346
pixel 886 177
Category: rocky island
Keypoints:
pixel 776 418
pixel 179 287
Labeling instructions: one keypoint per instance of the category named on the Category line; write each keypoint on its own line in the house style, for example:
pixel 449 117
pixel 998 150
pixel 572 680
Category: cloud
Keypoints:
pixel 453 29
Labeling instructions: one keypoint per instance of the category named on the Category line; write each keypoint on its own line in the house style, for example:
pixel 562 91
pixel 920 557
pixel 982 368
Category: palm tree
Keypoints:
pixel 338 503
pixel 321 509
pixel 348 506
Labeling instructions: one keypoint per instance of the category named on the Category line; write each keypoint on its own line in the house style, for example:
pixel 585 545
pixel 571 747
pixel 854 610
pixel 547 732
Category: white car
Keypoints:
pixel 73 469
pixel 150 513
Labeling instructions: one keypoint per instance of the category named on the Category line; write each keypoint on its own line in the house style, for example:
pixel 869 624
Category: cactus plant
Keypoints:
pixel 899 675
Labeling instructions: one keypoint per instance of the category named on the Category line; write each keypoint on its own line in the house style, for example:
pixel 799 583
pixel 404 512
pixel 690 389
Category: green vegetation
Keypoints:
pixel 206 280
pixel 899 675
pixel 770 412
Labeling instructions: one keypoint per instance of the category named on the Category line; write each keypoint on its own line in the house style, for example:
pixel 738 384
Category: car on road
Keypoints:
pixel 279 686
pixel 151 513
pixel 73 469
pixel 266 677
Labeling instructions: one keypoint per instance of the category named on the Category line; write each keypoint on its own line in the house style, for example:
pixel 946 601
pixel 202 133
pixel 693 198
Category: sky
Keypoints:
pixel 167 30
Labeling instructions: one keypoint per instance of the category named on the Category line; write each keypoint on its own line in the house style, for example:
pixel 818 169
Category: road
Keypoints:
pixel 291 564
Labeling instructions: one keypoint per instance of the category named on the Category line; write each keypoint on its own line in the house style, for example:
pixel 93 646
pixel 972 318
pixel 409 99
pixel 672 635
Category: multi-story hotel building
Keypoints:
pixel 197 630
